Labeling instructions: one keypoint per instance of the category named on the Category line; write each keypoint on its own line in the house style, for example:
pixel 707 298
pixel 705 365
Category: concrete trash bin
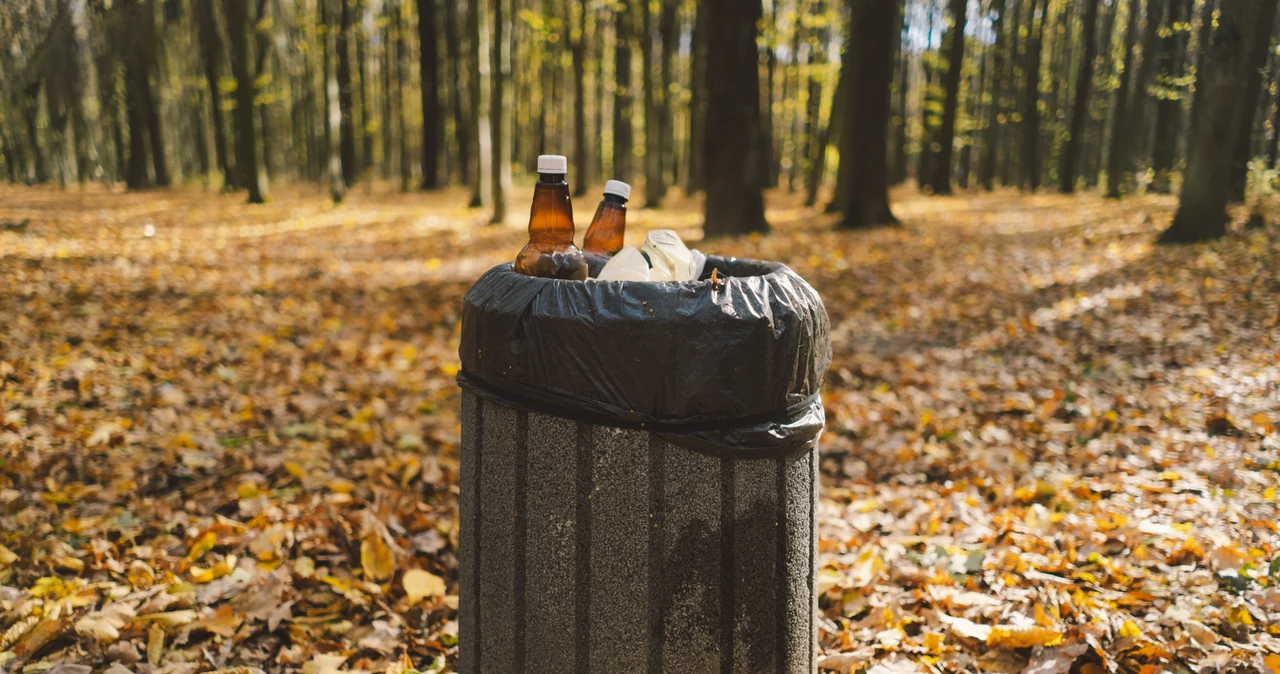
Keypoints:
pixel 620 511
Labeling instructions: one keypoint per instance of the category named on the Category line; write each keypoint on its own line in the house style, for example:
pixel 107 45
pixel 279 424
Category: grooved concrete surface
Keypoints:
pixel 593 549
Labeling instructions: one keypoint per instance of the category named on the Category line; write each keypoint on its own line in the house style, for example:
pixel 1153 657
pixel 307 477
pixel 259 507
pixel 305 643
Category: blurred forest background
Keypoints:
pixel 723 96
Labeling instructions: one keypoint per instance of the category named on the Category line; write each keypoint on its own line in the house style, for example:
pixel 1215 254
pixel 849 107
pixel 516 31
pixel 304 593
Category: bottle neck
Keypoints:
pixel 551 178
pixel 615 199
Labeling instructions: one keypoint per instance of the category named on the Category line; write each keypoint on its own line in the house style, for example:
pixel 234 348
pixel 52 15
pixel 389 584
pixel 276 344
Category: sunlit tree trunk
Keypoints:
pixel 695 171
pixel 346 103
pixel 1169 105
pixel 332 106
pixel 1202 205
pixel 478 37
pixel 366 100
pixel 461 114
pixel 654 188
pixel 1080 107
pixel 402 74
pixel 578 48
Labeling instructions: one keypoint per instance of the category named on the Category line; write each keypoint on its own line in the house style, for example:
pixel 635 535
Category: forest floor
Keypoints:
pixel 229 434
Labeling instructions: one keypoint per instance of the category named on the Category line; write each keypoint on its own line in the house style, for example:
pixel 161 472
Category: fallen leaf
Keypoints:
pixel 376 558
pixel 419 585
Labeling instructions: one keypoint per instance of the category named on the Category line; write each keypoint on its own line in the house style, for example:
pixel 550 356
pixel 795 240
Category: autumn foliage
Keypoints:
pixel 229 433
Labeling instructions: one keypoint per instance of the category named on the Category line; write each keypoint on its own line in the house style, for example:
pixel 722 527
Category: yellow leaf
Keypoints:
pixel 376 558
pixel 1023 636
pixel 202 545
pixel 6 557
pixel 419 585
pixel 1130 630
pixel 169 618
pixel 933 642
pixel 222 568
pixel 1239 615
pixel 1272 662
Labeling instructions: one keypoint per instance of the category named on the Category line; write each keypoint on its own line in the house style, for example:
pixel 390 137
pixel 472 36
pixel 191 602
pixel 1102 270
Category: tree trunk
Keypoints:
pixel 988 174
pixel 863 141
pixel 579 53
pixel 622 95
pixel 135 79
pixel 1102 104
pixel 770 54
pixel 1118 166
pixel 432 121
pixel 900 161
pixel 1202 205
pixel 461 119
pixel 1202 50
pixel 248 151
pixel 654 188
pixel 818 159
pixel 346 104
pixel 332 108
pixel 1007 173
pixel 1248 102
pixel 366 101
pixel 735 167
pixel 1169 103
pixel 928 117
pixel 1031 111
pixel 1080 107
pixel 695 173
pixel 1273 147
pixel 940 182
pixel 1139 130
pixel 500 130
pixel 478 32
pixel 668 32
pixel 401 74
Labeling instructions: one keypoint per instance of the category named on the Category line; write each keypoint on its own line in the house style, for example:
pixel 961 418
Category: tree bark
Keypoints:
pixel 401 74
pixel 623 97
pixel 987 175
pixel 1080 107
pixel 248 150
pixel 346 104
pixel 478 32
pixel 863 141
pixel 1248 103
pixel 1202 205
pixel 735 167
pixel 668 32
pixel 366 101
pixel 1168 105
pixel 928 118
pixel 695 173
pixel 579 54
pixel 940 182
pixel 332 108
pixel 1031 111
pixel 432 121
pixel 461 120
pixel 500 130
pixel 654 187
pixel 1118 166
pixel 1007 173
pixel 1139 130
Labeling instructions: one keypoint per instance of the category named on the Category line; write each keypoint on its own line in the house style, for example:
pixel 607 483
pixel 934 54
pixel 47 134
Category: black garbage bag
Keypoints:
pixel 732 367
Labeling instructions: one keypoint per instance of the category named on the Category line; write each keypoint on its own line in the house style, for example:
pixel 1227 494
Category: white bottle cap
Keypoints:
pixel 553 163
pixel 618 188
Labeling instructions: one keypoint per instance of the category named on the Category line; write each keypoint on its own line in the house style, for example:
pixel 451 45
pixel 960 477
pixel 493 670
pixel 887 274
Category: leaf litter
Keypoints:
pixel 231 446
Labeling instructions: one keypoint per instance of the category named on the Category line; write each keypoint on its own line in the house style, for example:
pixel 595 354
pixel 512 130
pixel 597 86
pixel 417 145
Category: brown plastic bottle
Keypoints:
pixel 550 252
pixel 609 226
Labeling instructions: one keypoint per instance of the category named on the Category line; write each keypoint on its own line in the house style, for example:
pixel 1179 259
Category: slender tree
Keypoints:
pixel 248 149
pixel 332 108
pixel 578 50
pixel 1202 204
pixel 401 74
pixel 1031 102
pixel 654 187
pixel 669 35
pixel 462 124
pixel 1173 46
pixel 735 157
pixel 1139 129
pixel 346 102
pixel 429 72
pixel 211 53
pixel 622 94
pixel 863 136
pixel 695 173
pixel 1080 107
pixel 987 175
pixel 500 130
pixel 1118 166
pixel 478 39
pixel 940 181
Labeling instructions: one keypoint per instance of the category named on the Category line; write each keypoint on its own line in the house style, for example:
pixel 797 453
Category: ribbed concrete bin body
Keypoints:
pixel 633 505
pixel 594 549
